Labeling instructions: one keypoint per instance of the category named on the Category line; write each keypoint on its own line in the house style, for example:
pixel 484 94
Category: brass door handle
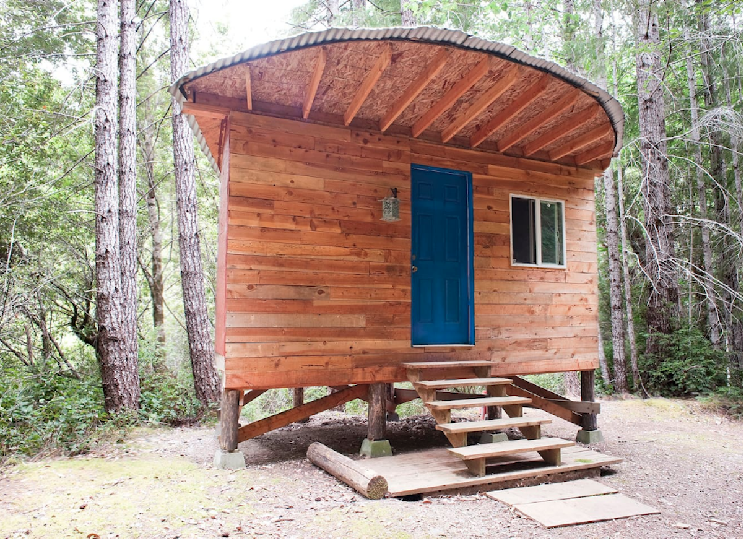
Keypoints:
pixel 413 269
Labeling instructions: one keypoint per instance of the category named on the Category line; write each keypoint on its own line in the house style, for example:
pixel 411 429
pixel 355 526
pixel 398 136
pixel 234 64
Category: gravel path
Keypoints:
pixel 159 483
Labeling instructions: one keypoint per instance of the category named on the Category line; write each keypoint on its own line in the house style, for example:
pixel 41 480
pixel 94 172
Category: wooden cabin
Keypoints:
pixel 489 266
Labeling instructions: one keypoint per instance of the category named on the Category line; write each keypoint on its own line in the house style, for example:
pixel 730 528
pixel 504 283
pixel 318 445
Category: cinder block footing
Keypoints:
pixel 229 460
pixel 493 437
pixel 376 448
pixel 589 437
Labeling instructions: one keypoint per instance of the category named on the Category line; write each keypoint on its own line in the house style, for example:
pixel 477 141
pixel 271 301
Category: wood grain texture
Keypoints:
pixel 317 288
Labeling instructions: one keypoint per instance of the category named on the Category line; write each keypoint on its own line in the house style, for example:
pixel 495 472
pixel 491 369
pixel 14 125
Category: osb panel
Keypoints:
pixel 553 93
pixel 582 103
pixel 499 69
pixel 458 65
pixel 598 120
pixel 408 61
pixel 346 67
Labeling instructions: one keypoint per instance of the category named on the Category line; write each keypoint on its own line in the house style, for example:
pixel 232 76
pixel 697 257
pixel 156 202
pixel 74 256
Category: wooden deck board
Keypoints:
pixel 492 424
pixel 436 470
pixel 464 382
pixel 583 510
pixel 551 492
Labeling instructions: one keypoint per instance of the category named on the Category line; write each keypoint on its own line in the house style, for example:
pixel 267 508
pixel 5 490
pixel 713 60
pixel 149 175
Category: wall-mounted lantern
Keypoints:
pixel 391 207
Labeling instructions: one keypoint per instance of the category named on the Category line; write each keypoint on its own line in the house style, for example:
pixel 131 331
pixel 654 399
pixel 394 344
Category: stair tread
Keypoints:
pixel 508 448
pixel 440 384
pixel 491 424
pixel 477 402
pixel 445 364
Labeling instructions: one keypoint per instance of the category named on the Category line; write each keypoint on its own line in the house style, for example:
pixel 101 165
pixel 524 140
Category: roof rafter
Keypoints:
pixel 366 87
pixel 559 131
pixel 493 93
pixel 248 88
pixel 526 129
pixel 454 93
pixel 594 153
pixel 309 97
pixel 581 142
pixel 529 95
pixel 415 88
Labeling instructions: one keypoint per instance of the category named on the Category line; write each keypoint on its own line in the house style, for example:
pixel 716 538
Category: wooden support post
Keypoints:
pixel 587 394
pixel 228 419
pixel 551 456
pixel 298 400
pixel 377 412
pixel 495 412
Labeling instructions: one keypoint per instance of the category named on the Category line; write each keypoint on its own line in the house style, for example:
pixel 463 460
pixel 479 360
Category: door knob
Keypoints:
pixel 413 269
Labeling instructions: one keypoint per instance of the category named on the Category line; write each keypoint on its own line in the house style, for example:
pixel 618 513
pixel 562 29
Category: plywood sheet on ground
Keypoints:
pixel 437 470
pixel 583 510
pixel 551 492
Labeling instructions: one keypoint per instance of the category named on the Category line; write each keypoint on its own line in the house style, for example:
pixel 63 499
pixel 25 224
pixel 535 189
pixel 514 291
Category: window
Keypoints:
pixel 537 232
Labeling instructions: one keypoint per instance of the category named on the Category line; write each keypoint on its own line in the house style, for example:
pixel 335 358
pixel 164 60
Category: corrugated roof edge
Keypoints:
pixel 429 34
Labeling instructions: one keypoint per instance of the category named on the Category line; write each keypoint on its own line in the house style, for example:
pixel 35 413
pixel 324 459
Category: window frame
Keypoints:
pixel 537 231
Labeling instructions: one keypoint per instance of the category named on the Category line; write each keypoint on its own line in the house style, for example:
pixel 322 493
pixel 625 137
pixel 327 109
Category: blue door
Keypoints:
pixel 442 310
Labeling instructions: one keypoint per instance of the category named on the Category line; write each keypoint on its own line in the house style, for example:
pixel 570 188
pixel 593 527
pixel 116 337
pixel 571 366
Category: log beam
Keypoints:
pixel 526 129
pixel 493 93
pixel 528 96
pixel 454 93
pixel 309 96
pixel 366 87
pixel 205 111
pixel 296 414
pixel 351 472
pixel 415 88
pixel 564 129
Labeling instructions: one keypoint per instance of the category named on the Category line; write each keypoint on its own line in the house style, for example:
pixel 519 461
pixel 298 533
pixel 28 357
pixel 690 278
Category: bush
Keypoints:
pixel 687 366
pixel 44 411
pixel 168 398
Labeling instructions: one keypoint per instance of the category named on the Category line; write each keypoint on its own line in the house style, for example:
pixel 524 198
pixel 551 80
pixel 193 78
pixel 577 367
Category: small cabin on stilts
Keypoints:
pixel 404 204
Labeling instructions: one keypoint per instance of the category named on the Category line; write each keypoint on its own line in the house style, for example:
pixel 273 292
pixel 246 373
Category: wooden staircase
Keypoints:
pixel 477 373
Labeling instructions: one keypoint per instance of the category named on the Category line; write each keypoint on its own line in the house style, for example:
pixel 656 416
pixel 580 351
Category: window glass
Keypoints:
pixel 537 232
pixel 551 229
pixel 523 230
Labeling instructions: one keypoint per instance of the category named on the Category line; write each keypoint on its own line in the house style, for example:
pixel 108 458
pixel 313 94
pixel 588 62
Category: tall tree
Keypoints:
pixel 128 179
pixel 407 14
pixel 118 373
pixel 201 346
pixel 659 244
pixel 713 319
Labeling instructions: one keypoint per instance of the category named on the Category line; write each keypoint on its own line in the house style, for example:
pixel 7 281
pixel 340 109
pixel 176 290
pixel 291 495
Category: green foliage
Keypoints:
pixel 168 398
pixel 43 412
pixel 689 365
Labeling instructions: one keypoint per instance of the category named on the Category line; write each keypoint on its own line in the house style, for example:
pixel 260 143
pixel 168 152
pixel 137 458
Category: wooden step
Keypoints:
pixel 446 364
pixel 475 456
pixel 464 382
pixel 477 402
pixel 510 447
pixel 491 424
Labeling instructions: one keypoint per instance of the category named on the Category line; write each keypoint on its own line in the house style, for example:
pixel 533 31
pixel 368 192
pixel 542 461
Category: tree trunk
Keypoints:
pixel 119 377
pixel 605 376
pixel 737 356
pixel 660 251
pixel 128 177
pixel 634 361
pixel 406 11
pixel 359 9
pixel 713 318
pixel 568 33
pixel 615 283
pixel 155 278
pixel 201 346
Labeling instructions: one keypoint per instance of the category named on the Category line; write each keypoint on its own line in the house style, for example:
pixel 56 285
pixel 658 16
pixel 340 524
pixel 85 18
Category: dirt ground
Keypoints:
pixel 160 483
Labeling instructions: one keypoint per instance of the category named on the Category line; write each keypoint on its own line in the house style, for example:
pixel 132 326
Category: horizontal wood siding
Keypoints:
pixel 318 288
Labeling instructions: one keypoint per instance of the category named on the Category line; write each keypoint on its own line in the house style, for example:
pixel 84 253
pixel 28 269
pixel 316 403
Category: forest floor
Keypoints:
pixel 160 483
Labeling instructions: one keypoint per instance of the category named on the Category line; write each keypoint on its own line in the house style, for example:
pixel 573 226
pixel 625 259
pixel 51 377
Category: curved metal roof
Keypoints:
pixel 423 34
